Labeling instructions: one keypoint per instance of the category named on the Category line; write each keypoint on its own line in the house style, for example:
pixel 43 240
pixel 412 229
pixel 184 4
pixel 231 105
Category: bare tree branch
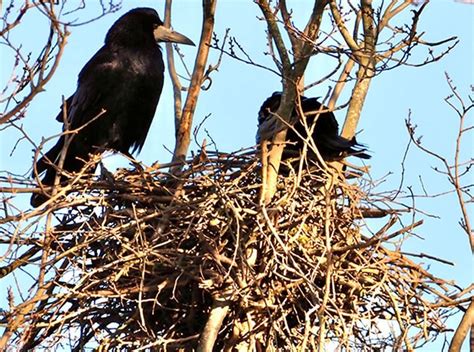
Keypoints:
pixel 183 136
pixel 177 87
pixel 462 330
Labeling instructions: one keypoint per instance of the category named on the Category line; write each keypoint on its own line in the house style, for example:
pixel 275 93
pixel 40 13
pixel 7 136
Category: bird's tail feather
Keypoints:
pixel 343 147
pixel 72 163
pixel 45 164
pixel 358 150
pixel 51 157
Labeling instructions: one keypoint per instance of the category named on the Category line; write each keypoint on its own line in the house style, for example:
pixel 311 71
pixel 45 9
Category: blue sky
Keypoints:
pixel 238 91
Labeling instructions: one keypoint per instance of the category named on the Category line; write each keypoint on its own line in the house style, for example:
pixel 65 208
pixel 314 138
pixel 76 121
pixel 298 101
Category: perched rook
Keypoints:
pixel 116 96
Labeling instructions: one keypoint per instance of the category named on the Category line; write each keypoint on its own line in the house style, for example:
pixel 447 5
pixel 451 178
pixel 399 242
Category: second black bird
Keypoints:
pixel 116 97
pixel 331 146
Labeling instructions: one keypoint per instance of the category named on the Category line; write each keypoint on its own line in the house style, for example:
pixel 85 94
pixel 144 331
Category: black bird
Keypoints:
pixel 331 146
pixel 116 97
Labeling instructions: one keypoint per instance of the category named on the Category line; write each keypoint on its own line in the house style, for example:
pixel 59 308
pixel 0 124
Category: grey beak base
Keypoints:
pixel 163 34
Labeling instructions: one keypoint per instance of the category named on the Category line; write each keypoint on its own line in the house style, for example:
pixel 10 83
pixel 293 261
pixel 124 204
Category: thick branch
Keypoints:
pixel 292 76
pixel 275 34
pixel 217 315
pixel 462 330
pixel 359 93
pixel 350 41
pixel 311 32
pixel 364 74
pixel 341 82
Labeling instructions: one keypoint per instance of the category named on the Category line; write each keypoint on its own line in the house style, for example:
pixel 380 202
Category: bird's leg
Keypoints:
pixel 138 165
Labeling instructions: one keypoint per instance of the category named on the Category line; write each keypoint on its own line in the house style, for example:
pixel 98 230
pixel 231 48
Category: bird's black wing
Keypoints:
pixel 268 123
pixel 99 85
pixel 123 87
pixel 64 106
pixel 326 136
pixel 330 144
pixel 326 123
pixel 95 84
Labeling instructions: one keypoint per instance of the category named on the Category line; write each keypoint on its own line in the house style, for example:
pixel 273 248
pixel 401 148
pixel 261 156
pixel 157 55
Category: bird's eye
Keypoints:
pixel 155 25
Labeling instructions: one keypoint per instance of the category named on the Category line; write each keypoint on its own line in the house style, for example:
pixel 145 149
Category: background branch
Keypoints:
pixel 183 136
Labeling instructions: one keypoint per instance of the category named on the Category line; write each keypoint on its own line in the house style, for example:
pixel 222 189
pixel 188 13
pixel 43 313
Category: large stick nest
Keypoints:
pixel 141 257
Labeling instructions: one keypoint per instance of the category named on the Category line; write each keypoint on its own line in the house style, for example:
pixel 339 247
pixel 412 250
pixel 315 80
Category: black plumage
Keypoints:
pixel 331 146
pixel 117 94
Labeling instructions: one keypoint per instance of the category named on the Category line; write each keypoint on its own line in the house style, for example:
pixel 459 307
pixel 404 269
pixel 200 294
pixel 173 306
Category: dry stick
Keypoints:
pixel 291 80
pixel 17 319
pixel 219 310
pixel 456 177
pixel 467 322
pixel 177 87
pixel 375 240
pixel 68 135
pixel 21 261
pixel 23 10
pixel 328 212
pixel 340 83
pixel 183 136
pixel 31 342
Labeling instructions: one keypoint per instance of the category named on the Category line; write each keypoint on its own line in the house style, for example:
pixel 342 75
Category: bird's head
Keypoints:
pixel 143 23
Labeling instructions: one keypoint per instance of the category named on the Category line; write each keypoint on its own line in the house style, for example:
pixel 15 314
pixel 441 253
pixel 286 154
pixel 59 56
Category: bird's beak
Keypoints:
pixel 163 34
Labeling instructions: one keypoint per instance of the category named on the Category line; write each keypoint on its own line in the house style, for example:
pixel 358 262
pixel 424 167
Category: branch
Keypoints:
pixel 183 136
pixel 38 87
pixel 219 310
pixel 271 150
pixel 276 35
pixel 465 325
pixel 351 43
pixel 364 74
pixel 177 87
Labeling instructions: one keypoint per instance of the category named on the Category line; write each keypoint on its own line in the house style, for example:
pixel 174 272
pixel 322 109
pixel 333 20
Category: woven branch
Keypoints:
pixel 134 263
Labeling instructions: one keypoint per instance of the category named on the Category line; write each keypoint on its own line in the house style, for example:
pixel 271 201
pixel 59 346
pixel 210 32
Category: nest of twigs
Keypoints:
pixel 146 259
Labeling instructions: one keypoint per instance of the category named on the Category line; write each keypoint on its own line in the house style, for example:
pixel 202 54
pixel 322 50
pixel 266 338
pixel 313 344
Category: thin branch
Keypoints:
pixel 183 137
pixel 177 87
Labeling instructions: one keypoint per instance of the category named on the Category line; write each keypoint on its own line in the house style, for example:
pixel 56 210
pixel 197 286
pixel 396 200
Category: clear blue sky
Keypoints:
pixel 238 91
